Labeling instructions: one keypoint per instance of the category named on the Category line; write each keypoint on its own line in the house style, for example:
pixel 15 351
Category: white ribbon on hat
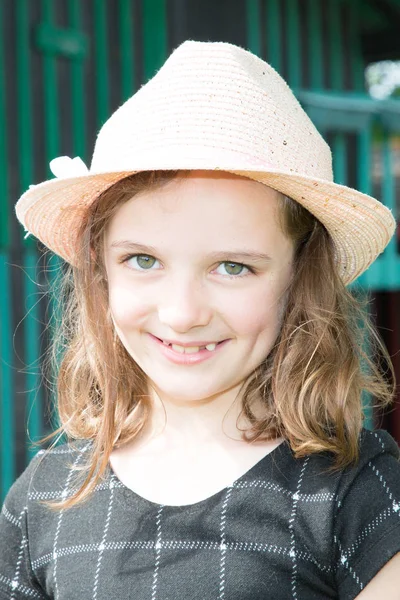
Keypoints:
pixel 63 167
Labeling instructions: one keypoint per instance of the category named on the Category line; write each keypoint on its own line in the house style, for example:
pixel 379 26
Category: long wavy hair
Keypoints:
pixel 327 354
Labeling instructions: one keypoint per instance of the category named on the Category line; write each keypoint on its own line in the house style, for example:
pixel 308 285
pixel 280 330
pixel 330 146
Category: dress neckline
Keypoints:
pixel 258 467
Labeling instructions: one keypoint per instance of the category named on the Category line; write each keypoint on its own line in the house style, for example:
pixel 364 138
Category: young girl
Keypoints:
pixel 211 380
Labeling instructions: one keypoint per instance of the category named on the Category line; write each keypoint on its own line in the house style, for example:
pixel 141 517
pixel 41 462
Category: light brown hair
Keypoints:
pixel 311 383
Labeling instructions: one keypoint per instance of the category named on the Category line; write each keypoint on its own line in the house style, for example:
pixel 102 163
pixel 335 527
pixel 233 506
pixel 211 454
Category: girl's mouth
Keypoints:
pixel 191 355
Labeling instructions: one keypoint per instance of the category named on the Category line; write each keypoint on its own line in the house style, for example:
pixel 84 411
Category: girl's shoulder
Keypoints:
pixel 374 443
pixel 374 479
pixel 377 445
pixel 45 475
pixel 378 452
pixel 366 524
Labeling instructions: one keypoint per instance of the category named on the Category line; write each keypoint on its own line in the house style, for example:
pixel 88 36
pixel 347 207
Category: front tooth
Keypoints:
pixel 178 348
pixel 182 350
pixel 192 349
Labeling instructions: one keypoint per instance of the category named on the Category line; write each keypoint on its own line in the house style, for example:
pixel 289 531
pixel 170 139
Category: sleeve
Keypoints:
pixel 367 524
pixel 17 580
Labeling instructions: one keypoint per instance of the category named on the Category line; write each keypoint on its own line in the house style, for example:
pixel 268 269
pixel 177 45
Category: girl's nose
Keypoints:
pixel 185 305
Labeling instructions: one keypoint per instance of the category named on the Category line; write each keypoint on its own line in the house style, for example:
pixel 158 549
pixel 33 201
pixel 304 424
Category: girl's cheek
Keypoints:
pixel 130 307
pixel 126 306
pixel 256 312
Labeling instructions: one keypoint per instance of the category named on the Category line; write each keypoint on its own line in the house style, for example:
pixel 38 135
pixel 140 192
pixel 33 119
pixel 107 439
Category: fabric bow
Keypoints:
pixel 64 166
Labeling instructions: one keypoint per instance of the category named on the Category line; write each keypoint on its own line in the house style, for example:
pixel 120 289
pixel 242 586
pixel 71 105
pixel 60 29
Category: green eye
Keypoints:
pixel 233 268
pixel 144 261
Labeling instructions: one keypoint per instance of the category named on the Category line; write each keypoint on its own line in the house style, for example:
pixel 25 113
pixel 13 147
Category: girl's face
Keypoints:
pixel 191 282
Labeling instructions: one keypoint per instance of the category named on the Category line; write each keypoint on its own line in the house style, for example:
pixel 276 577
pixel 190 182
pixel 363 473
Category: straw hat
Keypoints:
pixel 212 105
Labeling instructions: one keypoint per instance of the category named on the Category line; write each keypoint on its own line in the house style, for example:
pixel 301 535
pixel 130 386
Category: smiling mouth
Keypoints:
pixel 191 349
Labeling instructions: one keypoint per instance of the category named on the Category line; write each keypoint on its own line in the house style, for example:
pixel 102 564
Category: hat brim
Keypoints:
pixel 360 226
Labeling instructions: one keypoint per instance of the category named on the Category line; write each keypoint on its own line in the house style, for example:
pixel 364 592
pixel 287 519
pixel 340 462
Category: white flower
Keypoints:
pixel 64 166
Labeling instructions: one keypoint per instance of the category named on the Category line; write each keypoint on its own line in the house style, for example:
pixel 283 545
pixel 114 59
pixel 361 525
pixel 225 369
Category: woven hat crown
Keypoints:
pixel 213 99
pixel 212 105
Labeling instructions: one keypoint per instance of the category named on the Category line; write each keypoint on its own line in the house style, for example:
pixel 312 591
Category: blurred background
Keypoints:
pixel 66 65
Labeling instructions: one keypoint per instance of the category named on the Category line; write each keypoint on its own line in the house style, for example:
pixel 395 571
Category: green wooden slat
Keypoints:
pixel 32 354
pixel 356 56
pixel 366 397
pixel 23 91
pixel 293 42
pixel 315 34
pixel 154 35
pixel 52 139
pixel 340 158
pixel 335 44
pixel 253 26
pixel 364 183
pixel 101 54
pixel 273 32
pixel 4 229
pixel 24 86
pixel 336 65
pixel 391 258
pixel 7 426
pixel 77 86
pixel 51 115
pixel 126 37
pixel 34 399
pixel 54 268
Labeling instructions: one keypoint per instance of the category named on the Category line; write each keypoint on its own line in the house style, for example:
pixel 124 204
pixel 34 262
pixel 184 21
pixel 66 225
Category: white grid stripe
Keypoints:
pixel 21 588
pixel 158 546
pixel 10 517
pixel 379 440
pixel 178 545
pixel 344 562
pixel 103 541
pixel 292 552
pixel 59 521
pixel 68 493
pixel 223 544
pixel 269 485
pixel 377 521
pixel 24 541
pixel 396 505
pixel 69 450
pixel 256 483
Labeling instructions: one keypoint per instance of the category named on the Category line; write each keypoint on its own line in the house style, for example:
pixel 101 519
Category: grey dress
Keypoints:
pixel 284 530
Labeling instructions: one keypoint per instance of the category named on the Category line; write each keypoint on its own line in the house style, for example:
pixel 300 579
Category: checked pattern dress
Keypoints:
pixel 286 529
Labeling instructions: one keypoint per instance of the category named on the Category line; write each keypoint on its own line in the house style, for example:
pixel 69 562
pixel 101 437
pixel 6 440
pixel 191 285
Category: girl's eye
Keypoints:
pixel 145 262
pixel 235 269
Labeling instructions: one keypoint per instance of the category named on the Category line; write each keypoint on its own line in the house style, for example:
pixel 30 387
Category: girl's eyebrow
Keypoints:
pixel 243 253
